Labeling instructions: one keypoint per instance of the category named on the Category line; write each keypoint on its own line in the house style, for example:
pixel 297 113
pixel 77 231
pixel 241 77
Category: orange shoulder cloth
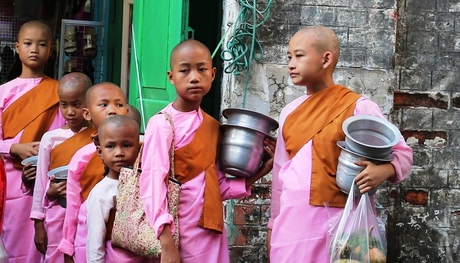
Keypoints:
pixel 198 156
pixel 92 174
pixel 320 118
pixel 62 153
pixel 33 112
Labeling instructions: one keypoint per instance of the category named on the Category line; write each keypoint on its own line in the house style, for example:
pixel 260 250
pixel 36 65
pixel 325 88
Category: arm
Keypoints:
pixel 98 215
pixel 373 175
pixel 73 196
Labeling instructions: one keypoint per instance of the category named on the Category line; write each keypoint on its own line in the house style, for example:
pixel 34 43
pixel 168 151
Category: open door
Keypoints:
pixel 157 27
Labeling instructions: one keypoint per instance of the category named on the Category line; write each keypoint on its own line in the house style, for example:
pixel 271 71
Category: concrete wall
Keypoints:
pixel 404 55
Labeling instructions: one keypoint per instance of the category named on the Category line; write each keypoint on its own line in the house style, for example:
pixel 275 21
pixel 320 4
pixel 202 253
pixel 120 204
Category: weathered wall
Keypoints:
pixel 403 54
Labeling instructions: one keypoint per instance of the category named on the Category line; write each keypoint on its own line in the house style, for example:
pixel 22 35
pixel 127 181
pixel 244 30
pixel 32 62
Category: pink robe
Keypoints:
pixel 299 230
pixel 18 229
pixel 73 216
pixel 196 244
pixel 53 215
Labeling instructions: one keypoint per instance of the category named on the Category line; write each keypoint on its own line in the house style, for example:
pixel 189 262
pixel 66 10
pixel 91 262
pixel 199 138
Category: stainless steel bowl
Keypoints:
pixel 347 170
pixel 241 150
pixel 370 136
pixel 250 119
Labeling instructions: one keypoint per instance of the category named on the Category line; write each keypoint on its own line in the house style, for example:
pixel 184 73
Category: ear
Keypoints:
pixel 170 77
pixel 99 151
pixel 328 59
pixel 86 114
pixel 213 73
pixel 16 46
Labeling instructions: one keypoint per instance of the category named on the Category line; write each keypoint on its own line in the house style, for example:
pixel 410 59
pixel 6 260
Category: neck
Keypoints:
pixel 315 87
pixel 31 73
pixel 186 106
pixel 113 174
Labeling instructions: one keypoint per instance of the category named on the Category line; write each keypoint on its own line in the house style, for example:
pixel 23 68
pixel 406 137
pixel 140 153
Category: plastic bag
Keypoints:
pixel 357 237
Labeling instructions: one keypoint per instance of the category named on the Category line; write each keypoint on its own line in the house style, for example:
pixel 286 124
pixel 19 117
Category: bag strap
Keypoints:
pixel 138 159
pixel 172 174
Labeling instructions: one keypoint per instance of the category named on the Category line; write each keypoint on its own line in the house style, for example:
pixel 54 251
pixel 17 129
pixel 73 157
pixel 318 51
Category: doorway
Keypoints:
pixel 205 18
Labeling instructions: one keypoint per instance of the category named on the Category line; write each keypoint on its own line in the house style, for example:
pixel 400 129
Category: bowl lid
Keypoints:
pixel 59 172
pixel 31 159
pixel 382 121
pixel 342 145
pixel 229 111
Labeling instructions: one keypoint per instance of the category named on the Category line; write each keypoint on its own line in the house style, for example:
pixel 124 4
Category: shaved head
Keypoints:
pixel 35 24
pixel 98 86
pixel 75 80
pixel 115 121
pixel 324 39
pixel 185 45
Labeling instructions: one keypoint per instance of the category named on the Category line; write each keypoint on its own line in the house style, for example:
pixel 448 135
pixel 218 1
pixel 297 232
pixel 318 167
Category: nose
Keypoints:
pixel 291 64
pixel 71 111
pixel 194 76
pixel 119 152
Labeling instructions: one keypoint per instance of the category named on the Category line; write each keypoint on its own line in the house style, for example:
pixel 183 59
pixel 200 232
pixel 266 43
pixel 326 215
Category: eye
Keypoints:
pixel 76 105
pixel 289 57
pixel 127 146
pixel 203 69
pixel 63 105
pixel 183 70
pixel 121 105
pixel 103 104
pixel 298 55
pixel 43 44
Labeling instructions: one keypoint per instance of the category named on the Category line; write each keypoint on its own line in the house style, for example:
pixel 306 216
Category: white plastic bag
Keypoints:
pixel 357 236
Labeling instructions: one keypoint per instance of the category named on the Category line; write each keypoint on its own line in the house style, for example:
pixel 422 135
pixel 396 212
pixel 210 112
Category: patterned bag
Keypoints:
pixel 131 229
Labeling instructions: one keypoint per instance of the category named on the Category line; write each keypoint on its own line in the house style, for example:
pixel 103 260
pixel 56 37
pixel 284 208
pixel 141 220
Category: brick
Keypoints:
pixel 454 179
pixel 376 4
pixel 427 138
pixel 246 214
pixel 445 158
pixel 352 57
pixel 283 14
pixel 422 41
pixel 313 15
pixel 446 197
pixel 444 80
pixel 260 194
pixel 417 118
pixel 404 100
pixel 384 19
pixel 445 21
pixel 428 176
pixel 422 157
pixel 446 119
pixel 457 23
pixel 415 60
pixel 416 197
pixel 449 42
pixel 352 17
pixel 418 80
pixel 421 5
pixel 357 37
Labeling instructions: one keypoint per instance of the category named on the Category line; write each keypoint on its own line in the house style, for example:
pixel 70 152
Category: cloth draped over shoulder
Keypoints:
pixel 32 115
pixel 320 119
pixel 62 154
pixel 198 156
pixel 92 174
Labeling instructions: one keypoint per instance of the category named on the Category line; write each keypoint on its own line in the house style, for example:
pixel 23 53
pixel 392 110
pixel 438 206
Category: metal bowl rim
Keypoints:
pixel 385 122
pixel 268 118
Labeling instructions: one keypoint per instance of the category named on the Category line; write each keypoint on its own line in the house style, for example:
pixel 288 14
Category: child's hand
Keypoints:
pixel 373 175
pixel 267 161
pixel 169 251
pixel 40 239
pixel 24 150
pixel 56 189
pixel 28 176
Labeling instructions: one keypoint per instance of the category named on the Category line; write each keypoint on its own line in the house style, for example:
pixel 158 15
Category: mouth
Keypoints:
pixel 195 89
pixel 33 58
pixel 293 75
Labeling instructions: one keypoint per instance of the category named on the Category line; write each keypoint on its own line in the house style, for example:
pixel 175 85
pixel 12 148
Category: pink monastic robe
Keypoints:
pixel 53 216
pixel 18 229
pixel 196 243
pixel 299 230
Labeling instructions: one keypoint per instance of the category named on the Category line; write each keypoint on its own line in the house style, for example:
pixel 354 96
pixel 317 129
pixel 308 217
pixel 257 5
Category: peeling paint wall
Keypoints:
pixel 404 55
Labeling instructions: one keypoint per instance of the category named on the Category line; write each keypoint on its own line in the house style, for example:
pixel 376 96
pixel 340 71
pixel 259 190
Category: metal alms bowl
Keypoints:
pixel 370 136
pixel 249 119
pixel 241 150
pixel 347 171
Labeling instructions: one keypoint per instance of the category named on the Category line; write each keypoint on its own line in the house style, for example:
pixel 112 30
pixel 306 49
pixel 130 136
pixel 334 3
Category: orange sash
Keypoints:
pixel 92 174
pixel 320 118
pixel 33 112
pixel 62 153
pixel 198 156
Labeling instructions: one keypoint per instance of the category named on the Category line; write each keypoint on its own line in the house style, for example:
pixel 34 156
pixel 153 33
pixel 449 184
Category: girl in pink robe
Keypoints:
pixel 18 229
